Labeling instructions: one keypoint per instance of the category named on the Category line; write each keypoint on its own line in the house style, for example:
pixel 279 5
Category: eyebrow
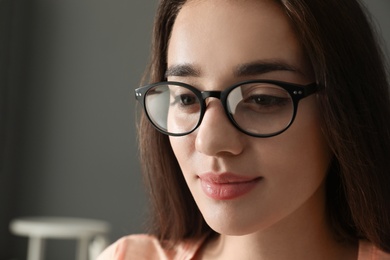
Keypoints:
pixel 262 67
pixel 182 70
pixel 245 69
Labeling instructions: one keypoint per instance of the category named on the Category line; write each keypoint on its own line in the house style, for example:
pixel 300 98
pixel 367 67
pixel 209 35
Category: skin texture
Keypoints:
pixel 283 216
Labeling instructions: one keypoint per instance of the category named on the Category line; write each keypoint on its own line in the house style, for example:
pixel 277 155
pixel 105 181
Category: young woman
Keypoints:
pixel 265 134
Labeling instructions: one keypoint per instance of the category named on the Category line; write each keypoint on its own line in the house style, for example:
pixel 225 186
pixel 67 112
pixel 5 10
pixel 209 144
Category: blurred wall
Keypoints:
pixel 14 16
pixel 71 141
pixel 380 9
pixel 76 145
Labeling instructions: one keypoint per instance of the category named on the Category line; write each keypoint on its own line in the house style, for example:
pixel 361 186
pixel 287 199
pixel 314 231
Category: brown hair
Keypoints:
pixel 355 107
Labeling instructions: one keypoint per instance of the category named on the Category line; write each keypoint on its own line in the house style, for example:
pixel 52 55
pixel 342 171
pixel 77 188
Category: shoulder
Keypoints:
pixel 139 246
pixel 368 251
pixel 148 247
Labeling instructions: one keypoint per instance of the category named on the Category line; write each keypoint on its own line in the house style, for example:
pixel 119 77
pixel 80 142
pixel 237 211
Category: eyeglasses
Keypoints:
pixel 259 108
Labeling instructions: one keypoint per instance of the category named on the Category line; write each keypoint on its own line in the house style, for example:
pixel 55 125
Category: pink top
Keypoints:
pixel 148 247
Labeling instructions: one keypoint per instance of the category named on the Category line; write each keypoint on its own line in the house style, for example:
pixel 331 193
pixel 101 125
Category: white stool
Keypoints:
pixel 40 228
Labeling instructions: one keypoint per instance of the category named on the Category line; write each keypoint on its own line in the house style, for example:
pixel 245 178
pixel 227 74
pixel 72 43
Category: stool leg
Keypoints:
pixel 36 247
pixel 82 249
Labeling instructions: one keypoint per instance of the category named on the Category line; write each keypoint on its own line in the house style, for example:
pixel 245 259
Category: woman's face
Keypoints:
pixel 240 183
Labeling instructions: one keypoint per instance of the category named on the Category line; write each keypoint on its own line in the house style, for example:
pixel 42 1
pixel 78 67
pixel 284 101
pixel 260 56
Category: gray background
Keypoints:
pixel 67 137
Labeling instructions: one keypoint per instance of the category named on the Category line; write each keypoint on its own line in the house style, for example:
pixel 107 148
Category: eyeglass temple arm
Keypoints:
pixel 311 89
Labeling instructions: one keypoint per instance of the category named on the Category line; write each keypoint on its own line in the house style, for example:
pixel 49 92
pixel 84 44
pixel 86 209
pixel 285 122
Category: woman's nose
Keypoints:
pixel 216 135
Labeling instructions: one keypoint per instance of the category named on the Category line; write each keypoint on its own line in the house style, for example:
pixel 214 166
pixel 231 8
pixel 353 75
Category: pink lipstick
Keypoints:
pixel 227 186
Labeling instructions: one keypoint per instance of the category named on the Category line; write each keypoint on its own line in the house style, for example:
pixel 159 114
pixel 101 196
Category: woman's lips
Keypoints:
pixel 227 186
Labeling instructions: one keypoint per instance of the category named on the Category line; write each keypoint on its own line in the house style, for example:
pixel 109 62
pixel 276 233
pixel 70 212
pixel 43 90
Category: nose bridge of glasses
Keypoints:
pixel 208 94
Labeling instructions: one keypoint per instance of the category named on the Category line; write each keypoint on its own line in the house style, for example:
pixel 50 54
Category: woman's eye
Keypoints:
pixel 267 100
pixel 184 100
pixel 185 104
pixel 187 99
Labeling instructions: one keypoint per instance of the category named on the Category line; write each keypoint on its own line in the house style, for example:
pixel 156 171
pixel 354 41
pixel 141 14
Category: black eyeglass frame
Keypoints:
pixel 296 92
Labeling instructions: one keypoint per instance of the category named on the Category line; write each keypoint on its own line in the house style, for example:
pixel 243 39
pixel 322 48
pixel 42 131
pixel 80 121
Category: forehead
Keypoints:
pixel 224 33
